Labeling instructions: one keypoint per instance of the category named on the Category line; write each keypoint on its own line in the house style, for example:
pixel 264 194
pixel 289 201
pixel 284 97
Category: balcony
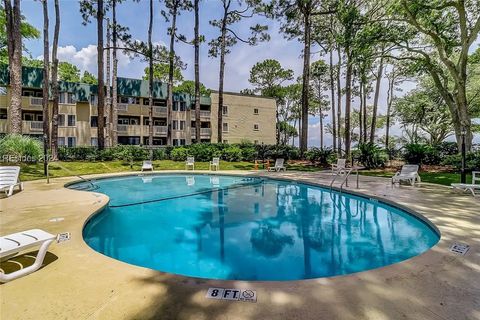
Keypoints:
pixel 158 131
pixel 129 129
pixel 32 126
pixel 122 107
pixel 160 110
pixel 35 101
pixel 204 114
pixel 204 132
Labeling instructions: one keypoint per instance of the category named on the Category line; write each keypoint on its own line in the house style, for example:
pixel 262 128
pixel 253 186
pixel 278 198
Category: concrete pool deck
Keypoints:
pixel 79 283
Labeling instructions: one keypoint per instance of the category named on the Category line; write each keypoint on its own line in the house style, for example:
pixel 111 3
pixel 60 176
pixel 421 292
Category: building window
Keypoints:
pixel 255 111
pixel 71 142
pixel 255 142
pixel 65 97
pixel 61 141
pixel 3 114
pixel 255 127
pixel 225 127
pixel 123 121
pixel 182 142
pixel 93 122
pixel 225 141
pixel 94 142
pixel 183 106
pixel 93 99
pixel 225 110
pixel 182 125
pixel 122 99
pixel 61 120
pixel 71 120
pixel 175 142
pixel 175 124
pixel 175 106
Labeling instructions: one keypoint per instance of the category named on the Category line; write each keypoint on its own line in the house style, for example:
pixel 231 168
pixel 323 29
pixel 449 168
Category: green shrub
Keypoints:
pixel 472 162
pixel 370 155
pixel 129 153
pixel 249 153
pixel 203 151
pixel 78 153
pixel 431 155
pixel 414 153
pixel 18 148
pixel 319 155
pixel 159 154
pixel 232 153
pixel 179 154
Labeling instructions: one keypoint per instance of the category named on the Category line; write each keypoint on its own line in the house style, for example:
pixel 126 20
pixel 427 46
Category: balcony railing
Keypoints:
pixel 34 101
pixel 203 114
pixel 122 128
pixel 160 110
pixel 203 132
pixel 122 107
pixel 159 130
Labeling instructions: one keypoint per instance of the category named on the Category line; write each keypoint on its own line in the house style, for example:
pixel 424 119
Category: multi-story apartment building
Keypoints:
pixel 245 117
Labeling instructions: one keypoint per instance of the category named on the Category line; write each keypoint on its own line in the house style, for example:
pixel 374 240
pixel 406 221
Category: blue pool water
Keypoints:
pixel 226 227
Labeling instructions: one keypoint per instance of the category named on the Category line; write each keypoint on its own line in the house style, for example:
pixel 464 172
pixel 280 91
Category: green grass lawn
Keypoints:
pixel 444 178
pixel 71 168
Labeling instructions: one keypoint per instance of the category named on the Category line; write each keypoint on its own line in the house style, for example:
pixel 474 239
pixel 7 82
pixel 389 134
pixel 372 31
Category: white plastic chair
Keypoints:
pixel 215 163
pixel 408 173
pixel 470 186
pixel 147 165
pixel 12 244
pixel 278 165
pixel 10 179
pixel 190 163
pixel 340 167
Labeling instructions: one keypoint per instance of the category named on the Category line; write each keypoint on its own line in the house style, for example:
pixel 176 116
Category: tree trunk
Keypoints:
pixel 339 103
pixel 197 72
pixel 14 48
pixel 101 85
pixel 171 67
pixel 54 138
pixel 360 114
pixel 365 111
pixel 332 96
pixel 150 82
pixel 305 85
pixel 114 112
pixel 46 85
pixel 375 100
pixel 108 98
pixel 348 103
pixel 221 76
pixel 321 130
pixel 391 83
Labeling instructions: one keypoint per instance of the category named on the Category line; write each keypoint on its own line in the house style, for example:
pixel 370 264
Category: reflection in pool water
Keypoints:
pixel 229 228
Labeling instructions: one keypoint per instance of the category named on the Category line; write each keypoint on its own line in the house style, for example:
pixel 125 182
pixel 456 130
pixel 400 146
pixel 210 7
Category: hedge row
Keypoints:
pixel 202 152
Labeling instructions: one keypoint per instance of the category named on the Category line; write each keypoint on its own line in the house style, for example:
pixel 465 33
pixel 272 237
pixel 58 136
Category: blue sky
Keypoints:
pixel 77 45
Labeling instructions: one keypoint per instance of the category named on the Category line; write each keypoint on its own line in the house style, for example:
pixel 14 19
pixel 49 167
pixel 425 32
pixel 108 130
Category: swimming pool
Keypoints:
pixel 233 227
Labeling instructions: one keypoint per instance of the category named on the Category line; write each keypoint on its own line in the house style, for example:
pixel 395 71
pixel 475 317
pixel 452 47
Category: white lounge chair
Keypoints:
pixel 147 165
pixel 278 165
pixel 215 163
pixel 12 244
pixel 9 179
pixel 470 187
pixel 408 173
pixel 190 163
pixel 339 167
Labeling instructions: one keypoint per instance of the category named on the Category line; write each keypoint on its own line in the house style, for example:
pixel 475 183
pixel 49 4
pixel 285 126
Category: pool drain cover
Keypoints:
pixel 459 248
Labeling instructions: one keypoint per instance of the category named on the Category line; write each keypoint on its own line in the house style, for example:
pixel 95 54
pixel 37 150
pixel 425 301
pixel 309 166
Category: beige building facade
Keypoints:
pixel 245 117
